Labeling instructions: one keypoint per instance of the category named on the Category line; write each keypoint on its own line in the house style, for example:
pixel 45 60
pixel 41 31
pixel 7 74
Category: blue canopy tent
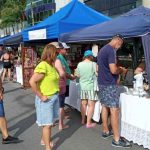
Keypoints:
pixel 131 24
pixel 73 16
pixel 2 40
pixel 135 23
pixel 13 39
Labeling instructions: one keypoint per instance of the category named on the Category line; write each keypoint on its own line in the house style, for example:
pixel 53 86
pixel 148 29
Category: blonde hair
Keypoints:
pixel 49 54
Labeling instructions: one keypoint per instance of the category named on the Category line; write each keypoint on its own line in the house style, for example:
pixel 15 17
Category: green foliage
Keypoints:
pixel 11 12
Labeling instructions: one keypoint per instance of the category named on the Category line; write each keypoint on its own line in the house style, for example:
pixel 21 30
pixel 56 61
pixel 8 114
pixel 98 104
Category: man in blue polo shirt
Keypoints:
pixel 108 73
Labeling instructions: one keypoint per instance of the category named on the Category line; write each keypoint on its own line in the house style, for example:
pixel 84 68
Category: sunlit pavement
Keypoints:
pixel 20 113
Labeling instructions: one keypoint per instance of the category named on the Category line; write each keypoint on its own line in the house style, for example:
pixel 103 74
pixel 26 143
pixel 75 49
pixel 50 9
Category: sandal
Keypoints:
pixel 51 144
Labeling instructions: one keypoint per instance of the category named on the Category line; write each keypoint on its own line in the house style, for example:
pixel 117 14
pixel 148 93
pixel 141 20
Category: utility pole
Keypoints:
pixel 32 14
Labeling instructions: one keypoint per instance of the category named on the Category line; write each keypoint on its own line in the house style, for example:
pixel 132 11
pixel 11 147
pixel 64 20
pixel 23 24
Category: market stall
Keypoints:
pixel 65 20
pixel 74 100
pixel 135 23
pixel 135 124
pixel 29 57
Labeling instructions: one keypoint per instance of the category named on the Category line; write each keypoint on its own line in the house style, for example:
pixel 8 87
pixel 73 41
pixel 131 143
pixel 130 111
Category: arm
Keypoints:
pixel 70 76
pixel 96 71
pixel 76 73
pixel 114 69
pixel 2 58
pixel 36 77
pixel 138 70
pixel 59 68
pixel 96 68
pixel 1 90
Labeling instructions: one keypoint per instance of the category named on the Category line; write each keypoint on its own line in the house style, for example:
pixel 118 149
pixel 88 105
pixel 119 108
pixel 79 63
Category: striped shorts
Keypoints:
pixel 89 95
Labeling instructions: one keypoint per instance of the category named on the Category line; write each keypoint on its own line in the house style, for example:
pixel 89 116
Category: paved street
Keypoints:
pixel 20 113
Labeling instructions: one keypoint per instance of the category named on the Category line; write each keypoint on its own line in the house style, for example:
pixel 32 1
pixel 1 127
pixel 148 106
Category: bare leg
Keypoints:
pixel 3 127
pixel 83 110
pixel 46 137
pixel 105 111
pixel 61 118
pixel 3 75
pixel 91 106
pixel 115 122
pixel 9 74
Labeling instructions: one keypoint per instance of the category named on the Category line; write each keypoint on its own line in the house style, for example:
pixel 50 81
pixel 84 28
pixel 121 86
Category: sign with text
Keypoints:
pixel 37 34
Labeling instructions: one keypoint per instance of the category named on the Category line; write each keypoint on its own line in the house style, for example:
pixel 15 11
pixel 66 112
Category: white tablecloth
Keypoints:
pixel 19 74
pixel 135 120
pixel 74 100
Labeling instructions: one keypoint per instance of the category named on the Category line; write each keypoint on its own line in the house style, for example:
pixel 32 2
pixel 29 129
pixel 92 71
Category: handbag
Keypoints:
pixel 95 82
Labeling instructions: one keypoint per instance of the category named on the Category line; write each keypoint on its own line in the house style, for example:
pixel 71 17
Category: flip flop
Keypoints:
pixel 51 144
pixel 92 125
pixel 42 143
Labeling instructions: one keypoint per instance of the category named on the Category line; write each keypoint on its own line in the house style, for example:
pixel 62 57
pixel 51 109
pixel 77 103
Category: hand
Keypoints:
pixel 120 70
pixel 124 70
pixel 72 77
pixel 44 98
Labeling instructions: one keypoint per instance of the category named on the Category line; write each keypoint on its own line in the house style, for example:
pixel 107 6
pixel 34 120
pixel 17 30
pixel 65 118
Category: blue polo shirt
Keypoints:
pixel 106 56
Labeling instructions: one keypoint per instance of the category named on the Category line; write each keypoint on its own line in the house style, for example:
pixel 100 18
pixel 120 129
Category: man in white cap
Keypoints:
pixel 64 83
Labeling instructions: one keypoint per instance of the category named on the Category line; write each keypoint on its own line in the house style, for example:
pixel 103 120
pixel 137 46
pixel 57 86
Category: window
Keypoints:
pixel 113 7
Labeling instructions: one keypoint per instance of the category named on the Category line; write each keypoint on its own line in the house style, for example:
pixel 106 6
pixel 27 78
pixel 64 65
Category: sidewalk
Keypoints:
pixel 20 113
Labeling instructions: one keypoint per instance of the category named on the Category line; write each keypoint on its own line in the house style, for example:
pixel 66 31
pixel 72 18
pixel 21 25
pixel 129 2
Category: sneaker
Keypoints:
pixel 121 143
pixel 10 140
pixel 107 135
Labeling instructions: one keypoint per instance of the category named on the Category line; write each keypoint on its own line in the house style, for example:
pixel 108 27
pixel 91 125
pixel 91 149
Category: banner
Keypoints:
pixel 37 34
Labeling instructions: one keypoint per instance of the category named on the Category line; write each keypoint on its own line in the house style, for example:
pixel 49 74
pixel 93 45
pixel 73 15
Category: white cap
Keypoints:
pixel 60 45
pixel 64 45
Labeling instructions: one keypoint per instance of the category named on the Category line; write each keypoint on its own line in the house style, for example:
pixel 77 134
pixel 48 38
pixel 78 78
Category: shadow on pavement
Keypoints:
pixel 23 124
pixel 12 90
pixel 73 126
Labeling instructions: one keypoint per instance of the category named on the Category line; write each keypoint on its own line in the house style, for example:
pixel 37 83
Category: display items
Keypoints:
pixel 29 57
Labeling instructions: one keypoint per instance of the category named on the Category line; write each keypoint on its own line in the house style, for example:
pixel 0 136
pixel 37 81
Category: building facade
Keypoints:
pixel 38 10
pixel 115 8
pixel 62 3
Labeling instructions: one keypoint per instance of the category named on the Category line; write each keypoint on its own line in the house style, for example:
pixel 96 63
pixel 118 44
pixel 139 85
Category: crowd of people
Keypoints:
pixel 50 83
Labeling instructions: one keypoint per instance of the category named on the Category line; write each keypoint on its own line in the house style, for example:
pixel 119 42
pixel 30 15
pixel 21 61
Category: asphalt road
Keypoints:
pixel 20 113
